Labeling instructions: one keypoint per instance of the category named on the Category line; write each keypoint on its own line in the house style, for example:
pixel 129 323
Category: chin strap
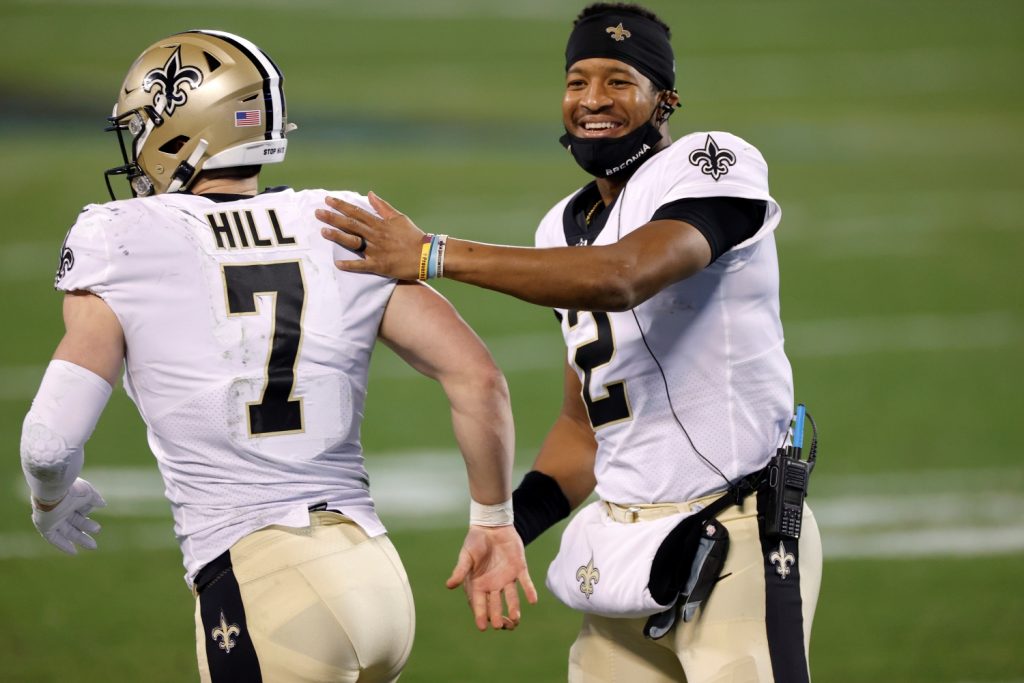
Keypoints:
pixel 186 169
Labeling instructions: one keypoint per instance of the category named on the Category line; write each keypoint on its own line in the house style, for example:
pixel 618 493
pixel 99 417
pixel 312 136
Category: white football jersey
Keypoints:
pixel 704 355
pixel 247 354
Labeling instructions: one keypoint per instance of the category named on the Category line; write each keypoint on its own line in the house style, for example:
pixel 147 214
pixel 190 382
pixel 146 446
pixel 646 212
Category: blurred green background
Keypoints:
pixel 892 131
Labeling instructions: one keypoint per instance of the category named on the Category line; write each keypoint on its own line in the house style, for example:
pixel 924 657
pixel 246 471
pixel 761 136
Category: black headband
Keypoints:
pixel 629 38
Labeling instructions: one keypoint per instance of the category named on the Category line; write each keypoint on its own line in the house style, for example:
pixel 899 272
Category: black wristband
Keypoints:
pixel 538 504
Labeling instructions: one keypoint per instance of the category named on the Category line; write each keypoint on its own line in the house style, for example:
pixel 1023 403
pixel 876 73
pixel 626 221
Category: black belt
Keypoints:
pixel 213 570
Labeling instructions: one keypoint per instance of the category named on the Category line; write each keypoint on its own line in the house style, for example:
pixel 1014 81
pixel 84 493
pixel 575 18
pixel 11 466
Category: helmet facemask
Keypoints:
pixel 135 122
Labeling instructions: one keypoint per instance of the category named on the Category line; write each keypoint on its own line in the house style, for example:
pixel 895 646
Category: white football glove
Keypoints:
pixel 68 524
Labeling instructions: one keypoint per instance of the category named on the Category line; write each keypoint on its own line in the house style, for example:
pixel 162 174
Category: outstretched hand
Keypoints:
pixel 389 242
pixel 491 562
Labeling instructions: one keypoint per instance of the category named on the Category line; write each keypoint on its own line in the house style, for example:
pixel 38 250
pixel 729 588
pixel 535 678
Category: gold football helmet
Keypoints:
pixel 198 100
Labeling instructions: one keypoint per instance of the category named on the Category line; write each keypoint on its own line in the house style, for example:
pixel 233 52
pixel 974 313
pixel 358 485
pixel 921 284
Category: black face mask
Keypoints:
pixel 615 158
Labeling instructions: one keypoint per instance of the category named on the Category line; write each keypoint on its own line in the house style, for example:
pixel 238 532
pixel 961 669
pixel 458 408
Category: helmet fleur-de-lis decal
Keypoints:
pixel 712 160
pixel 223 635
pixel 782 560
pixel 618 33
pixel 170 81
pixel 588 575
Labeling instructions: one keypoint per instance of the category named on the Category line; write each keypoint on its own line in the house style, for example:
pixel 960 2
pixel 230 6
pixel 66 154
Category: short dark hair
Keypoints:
pixel 622 8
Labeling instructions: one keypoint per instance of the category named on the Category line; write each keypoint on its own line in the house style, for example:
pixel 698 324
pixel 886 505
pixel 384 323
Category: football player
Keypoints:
pixel 246 352
pixel 663 274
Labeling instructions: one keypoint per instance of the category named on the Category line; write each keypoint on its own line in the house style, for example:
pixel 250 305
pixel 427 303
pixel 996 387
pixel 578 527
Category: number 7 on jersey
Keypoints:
pixel 277 411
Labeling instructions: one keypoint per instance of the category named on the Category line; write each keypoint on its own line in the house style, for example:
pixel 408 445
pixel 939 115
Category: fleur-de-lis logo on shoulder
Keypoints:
pixel 782 560
pixel 588 575
pixel 170 81
pixel 618 33
pixel 67 260
pixel 712 160
pixel 224 633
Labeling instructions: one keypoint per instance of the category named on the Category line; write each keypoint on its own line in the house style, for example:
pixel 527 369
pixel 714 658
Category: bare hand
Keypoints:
pixel 490 563
pixel 390 243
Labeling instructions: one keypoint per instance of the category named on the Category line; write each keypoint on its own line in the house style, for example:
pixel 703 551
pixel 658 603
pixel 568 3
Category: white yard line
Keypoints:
pixel 954 541
pixel 427 489
pixel 827 338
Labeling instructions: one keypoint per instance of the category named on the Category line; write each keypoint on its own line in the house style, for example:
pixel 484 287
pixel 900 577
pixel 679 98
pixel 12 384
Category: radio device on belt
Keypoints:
pixel 688 563
pixel 787 479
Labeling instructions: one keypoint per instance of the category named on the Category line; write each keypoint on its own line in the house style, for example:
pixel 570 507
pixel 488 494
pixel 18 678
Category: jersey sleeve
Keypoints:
pixel 550 232
pixel 724 221
pixel 720 164
pixel 84 256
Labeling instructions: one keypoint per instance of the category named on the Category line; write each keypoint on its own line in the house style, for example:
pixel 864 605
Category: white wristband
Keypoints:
pixel 490 515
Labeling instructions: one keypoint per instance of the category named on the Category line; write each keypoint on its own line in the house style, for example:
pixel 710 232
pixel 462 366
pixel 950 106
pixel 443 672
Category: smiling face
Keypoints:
pixel 606 98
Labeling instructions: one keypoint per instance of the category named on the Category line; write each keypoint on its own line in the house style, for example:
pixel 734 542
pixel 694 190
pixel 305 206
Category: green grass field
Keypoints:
pixel 892 131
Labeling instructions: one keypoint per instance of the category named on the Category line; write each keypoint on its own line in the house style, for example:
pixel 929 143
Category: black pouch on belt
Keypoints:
pixel 687 564
pixel 685 569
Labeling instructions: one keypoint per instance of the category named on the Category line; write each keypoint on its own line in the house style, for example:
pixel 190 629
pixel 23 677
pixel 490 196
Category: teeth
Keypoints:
pixel 603 125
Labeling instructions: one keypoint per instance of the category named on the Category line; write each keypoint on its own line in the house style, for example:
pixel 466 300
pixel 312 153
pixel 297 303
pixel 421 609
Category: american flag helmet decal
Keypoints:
pixel 252 117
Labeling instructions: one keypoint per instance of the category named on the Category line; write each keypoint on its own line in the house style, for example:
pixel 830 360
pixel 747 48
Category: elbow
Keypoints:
pixel 620 299
pixel 620 285
pixel 49 464
pixel 479 383
pixel 490 382
pixel 619 293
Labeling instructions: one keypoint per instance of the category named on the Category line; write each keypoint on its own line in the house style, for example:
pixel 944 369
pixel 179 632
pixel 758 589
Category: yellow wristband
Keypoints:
pixel 424 257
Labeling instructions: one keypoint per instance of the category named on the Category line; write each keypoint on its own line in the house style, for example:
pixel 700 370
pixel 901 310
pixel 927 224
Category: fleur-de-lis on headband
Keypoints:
pixel 618 33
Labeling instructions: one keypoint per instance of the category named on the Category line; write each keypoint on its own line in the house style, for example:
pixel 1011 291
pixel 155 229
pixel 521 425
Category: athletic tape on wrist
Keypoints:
pixel 491 515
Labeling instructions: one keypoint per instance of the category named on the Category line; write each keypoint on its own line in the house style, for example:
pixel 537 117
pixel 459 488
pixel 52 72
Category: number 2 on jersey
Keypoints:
pixel 276 412
pixel 614 407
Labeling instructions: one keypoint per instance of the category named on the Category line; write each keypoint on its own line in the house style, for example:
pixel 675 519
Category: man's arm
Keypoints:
pixel 614 277
pixel 93 338
pixel 73 393
pixel 425 330
pixel 563 473
pixel 428 334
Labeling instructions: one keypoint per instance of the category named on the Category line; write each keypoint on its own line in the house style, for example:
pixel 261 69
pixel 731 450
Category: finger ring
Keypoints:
pixel 362 246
